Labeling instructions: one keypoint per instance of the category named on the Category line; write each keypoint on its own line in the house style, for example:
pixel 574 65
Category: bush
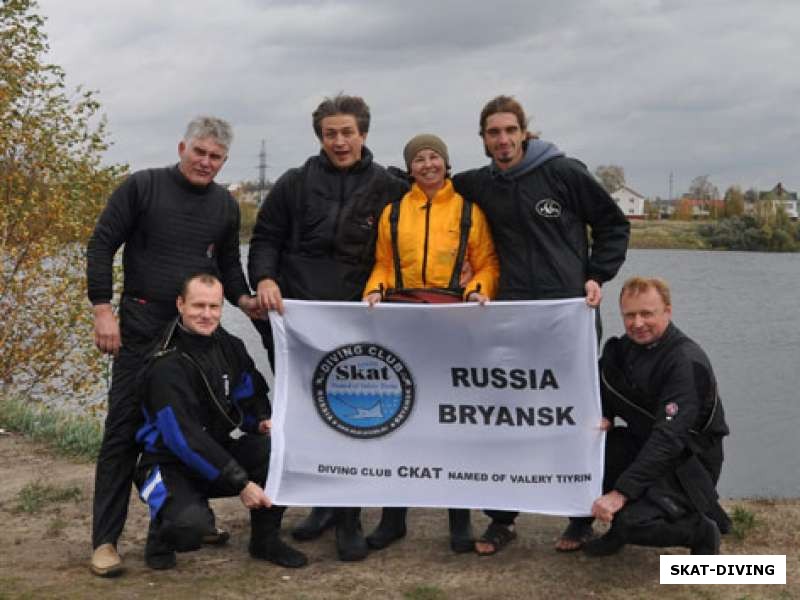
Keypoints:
pixel 52 188
pixel 772 233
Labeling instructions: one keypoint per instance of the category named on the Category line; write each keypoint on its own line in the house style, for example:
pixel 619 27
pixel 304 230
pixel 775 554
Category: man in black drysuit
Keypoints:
pixel 173 221
pixel 205 433
pixel 315 240
pixel 540 205
pixel 663 465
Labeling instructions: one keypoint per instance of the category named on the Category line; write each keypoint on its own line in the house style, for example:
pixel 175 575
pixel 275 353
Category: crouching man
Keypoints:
pixel 205 434
pixel 662 468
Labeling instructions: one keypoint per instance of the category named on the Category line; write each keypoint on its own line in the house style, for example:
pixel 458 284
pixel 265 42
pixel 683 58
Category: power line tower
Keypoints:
pixel 671 180
pixel 262 173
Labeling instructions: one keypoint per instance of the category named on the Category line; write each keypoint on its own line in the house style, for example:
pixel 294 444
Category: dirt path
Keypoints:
pixel 45 554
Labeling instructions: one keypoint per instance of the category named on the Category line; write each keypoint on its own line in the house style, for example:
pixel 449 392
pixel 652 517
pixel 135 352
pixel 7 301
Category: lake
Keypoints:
pixel 741 307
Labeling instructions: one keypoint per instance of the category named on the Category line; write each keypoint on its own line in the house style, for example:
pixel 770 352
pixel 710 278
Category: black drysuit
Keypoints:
pixel 171 229
pixel 203 400
pixel 668 457
pixel 316 232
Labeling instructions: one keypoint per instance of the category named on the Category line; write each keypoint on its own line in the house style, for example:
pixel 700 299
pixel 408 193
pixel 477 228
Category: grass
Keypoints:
pixel 77 436
pixel 35 496
pixel 425 592
pixel 743 521
pixel 665 234
pixel 56 527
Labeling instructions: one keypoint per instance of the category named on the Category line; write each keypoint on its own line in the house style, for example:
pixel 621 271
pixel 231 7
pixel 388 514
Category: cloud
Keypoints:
pixel 689 87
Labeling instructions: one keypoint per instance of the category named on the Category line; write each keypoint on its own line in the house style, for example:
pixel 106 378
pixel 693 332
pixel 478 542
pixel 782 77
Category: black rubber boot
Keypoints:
pixel 158 554
pixel 265 541
pixel 706 538
pixel 315 524
pixel 606 545
pixel 391 528
pixel 461 538
pixel 350 542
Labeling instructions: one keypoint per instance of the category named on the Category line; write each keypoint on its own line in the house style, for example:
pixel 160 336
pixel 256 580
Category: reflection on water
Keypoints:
pixel 742 309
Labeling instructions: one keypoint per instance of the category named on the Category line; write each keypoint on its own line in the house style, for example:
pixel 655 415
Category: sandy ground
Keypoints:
pixel 45 554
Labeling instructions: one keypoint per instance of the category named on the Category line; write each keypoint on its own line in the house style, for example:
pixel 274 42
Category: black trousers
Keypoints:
pixel 141 326
pixel 182 514
pixel 663 516
pixel 265 331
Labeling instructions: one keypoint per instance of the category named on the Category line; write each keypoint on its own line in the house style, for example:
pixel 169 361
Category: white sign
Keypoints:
pixel 760 569
pixel 458 405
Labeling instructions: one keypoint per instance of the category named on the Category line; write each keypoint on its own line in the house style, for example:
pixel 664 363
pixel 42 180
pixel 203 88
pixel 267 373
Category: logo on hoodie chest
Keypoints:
pixel 548 208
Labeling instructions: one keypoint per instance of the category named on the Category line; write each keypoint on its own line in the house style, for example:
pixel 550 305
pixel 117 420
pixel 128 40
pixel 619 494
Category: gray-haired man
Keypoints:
pixel 173 221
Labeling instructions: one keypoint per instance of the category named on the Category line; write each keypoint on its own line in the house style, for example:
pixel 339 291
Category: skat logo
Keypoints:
pixel 548 208
pixel 363 390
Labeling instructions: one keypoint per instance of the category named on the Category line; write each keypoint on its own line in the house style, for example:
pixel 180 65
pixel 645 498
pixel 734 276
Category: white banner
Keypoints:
pixel 457 405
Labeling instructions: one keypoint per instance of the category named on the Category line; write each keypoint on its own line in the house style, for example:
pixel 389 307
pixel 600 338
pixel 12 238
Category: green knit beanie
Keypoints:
pixel 425 141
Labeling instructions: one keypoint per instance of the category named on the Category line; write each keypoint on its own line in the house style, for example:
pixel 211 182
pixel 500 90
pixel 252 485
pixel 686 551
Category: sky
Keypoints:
pixel 684 87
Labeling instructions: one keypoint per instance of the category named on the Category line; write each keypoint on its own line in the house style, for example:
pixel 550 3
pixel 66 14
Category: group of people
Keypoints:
pixel 188 414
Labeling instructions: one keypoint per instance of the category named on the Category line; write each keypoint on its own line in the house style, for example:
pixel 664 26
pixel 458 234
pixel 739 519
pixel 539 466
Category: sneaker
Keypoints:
pixel 106 561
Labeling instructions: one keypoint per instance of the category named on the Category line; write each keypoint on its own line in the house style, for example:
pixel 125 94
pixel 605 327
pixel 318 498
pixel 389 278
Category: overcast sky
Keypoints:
pixel 689 87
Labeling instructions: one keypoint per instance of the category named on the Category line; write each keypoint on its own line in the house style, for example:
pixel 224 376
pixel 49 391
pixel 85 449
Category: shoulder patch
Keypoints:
pixel 671 409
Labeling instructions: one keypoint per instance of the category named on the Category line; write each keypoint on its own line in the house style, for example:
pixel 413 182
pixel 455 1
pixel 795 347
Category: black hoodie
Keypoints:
pixel 539 211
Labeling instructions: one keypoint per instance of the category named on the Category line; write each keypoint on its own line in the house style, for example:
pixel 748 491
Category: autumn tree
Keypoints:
pixel 702 189
pixel 734 201
pixel 611 177
pixel 651 210
pixel 52 186
pixel 683 210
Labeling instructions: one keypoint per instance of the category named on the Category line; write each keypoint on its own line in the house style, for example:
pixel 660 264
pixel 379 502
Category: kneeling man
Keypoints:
pixel 663 466
pixel 205 434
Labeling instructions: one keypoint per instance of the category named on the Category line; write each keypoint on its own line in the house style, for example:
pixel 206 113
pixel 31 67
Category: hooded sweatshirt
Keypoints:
pixel 539 211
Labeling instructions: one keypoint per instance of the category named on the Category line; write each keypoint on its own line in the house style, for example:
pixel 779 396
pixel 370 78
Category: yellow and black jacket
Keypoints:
pixel 428 239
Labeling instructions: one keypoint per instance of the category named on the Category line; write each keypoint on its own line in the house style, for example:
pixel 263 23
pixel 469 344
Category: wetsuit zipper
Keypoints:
pixel 337 222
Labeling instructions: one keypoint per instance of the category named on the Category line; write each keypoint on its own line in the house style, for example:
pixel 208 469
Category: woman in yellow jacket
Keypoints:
pixel 430 221
pixel 423 241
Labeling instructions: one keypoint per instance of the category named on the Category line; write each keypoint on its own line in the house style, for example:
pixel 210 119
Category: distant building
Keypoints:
pixel 782 197
pixel 701 208
pixel 630 202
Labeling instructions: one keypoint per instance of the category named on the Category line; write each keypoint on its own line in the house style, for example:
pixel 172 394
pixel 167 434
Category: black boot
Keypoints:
pixel 706 538
pixel 391 528
pixel 350 542
pixel 606 545
pixel 315 524
pixel 157 553
pixel 265 541
pixel 461 538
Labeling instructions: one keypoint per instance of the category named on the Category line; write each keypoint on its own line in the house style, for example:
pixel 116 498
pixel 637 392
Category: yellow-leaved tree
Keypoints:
pixel 52 187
